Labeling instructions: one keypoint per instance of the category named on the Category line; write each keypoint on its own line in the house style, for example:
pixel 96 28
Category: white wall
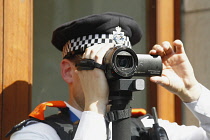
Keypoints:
pixel 196 37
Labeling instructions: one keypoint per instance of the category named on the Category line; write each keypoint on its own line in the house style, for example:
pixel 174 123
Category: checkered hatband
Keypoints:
pixel 78 45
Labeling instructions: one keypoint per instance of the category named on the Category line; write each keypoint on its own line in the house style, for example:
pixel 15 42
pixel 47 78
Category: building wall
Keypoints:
pixel 196 37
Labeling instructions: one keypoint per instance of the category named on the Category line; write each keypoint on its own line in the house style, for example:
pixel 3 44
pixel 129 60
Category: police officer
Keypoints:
pixel 90 38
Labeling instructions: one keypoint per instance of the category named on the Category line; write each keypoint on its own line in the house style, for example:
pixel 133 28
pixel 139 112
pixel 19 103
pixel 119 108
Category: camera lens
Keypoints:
pixel 121 62
pixel 124 61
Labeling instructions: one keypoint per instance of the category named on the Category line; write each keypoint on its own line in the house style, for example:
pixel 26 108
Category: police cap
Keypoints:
pixel 79 34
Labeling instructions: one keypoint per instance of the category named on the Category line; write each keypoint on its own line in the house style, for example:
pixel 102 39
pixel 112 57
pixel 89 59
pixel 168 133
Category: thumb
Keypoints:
pixel 163 81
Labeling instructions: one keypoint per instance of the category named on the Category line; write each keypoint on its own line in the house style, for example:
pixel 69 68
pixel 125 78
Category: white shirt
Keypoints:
pixel 92 125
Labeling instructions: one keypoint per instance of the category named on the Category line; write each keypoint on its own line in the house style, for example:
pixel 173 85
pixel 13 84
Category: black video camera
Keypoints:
pixel 123 62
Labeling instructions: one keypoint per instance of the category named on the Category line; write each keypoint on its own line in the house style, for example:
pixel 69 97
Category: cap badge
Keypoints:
pixel 119 36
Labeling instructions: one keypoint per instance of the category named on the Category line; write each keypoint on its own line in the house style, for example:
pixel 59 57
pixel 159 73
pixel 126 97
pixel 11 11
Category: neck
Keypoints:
pixel 76 101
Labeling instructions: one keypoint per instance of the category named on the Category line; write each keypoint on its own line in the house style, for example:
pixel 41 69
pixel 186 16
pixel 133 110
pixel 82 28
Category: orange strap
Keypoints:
pixel 137 112
pixel 38 112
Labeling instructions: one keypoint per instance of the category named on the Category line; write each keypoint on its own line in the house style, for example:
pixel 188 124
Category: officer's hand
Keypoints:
pixel 177 76
pixel 94 82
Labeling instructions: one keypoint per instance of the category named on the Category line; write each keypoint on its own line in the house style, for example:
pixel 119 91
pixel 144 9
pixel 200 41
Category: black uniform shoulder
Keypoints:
pixel 62 124
pixel 22 124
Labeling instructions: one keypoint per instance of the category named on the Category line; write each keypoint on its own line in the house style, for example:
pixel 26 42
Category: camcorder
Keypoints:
pixel 123 62
pixel 120 64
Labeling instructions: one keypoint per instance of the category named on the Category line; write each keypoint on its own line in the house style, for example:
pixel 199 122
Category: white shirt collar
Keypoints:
pixel 74 110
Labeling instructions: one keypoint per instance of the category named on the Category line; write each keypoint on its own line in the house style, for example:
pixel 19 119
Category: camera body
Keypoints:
pixel 123 62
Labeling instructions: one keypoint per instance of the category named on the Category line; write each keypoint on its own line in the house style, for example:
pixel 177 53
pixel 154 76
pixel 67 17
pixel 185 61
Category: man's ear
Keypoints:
pixel 67 70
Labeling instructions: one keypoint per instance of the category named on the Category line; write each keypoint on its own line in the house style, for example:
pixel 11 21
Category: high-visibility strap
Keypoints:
pixel 38 112
pixel 137 112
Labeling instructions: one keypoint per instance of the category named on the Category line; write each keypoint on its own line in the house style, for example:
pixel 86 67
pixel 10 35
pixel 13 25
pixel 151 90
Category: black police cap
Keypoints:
pixel 96 24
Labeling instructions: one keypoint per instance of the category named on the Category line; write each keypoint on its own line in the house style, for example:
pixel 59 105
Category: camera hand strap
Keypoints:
pixel 89 64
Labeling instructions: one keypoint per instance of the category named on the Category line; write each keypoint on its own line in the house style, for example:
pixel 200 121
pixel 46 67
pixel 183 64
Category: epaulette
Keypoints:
pixel 38 112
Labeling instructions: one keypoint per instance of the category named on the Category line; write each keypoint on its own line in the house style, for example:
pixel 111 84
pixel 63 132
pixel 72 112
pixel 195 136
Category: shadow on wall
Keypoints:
pixel 15 105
